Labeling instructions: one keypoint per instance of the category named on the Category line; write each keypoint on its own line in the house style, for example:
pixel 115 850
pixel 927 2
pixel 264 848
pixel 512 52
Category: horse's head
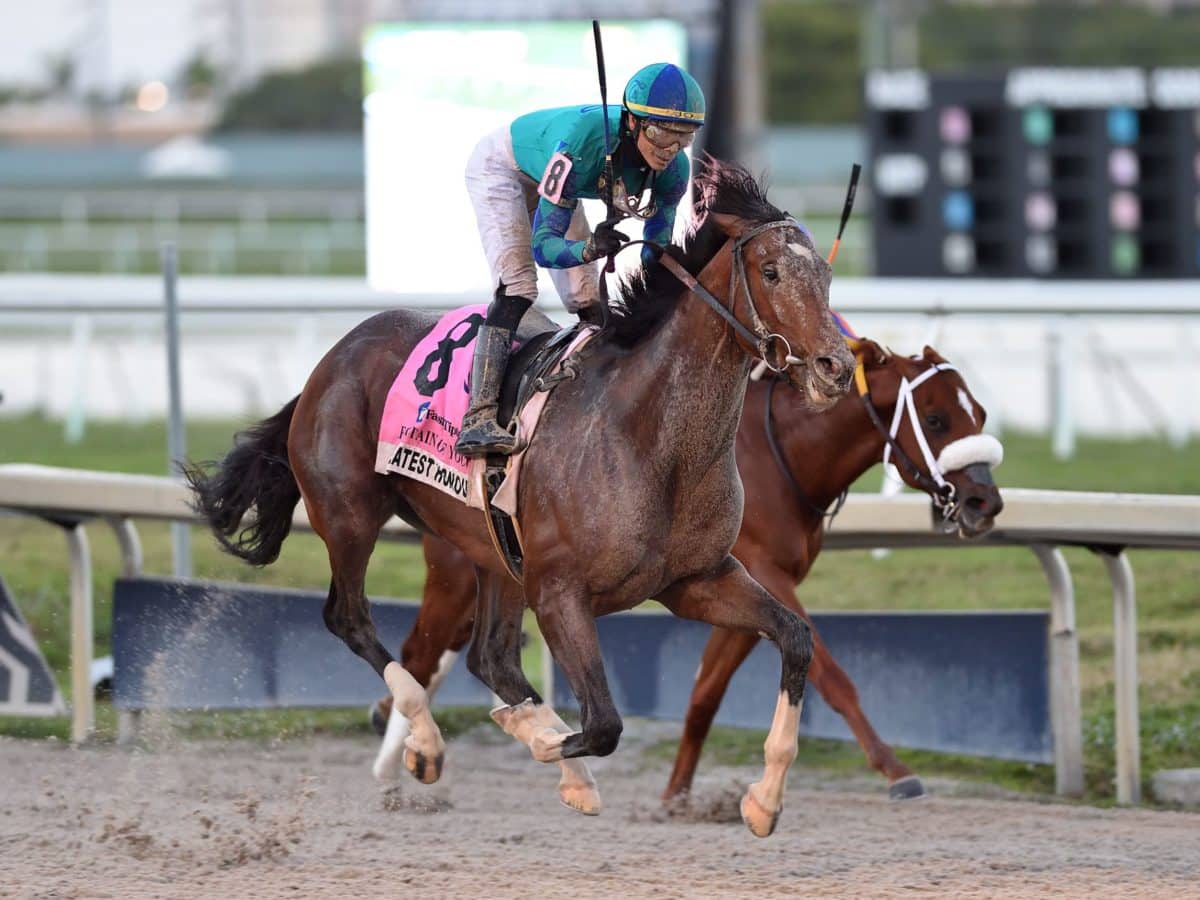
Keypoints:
pixel 942 448
pixel 778 284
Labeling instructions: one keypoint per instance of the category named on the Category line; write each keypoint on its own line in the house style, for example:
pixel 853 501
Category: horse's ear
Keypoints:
pixel 873 355
pixel 729 225
pixel 932 356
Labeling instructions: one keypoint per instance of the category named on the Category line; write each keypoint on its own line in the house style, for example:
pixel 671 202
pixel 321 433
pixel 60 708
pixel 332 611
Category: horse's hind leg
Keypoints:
pixel 348 512
pixel 442 627
pixel 730 598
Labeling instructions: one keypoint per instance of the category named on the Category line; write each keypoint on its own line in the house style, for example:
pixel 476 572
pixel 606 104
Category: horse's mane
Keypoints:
pixel 648 296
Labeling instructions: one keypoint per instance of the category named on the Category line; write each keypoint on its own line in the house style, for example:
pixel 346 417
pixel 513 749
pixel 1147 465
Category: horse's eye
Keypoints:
pixel 935 422
pixel 770 273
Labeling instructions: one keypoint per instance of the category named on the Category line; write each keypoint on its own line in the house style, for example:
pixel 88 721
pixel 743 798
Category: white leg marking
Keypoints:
pixel 576 788
pixel 389 761
pixel 445 664
pixel 539 727
pixel 409 699
pixel 764 799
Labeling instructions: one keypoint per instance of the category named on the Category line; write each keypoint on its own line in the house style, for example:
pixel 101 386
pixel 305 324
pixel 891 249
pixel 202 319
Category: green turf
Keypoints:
pixel 33 562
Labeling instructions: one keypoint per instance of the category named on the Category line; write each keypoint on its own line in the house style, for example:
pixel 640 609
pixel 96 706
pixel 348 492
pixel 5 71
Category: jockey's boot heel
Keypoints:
pixel 481 434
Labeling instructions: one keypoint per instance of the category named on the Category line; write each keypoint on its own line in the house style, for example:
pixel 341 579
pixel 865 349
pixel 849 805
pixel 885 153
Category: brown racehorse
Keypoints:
pixel 629 487
pixel 794 465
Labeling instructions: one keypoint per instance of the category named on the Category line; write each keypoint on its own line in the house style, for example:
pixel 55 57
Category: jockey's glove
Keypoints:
pixel 605 241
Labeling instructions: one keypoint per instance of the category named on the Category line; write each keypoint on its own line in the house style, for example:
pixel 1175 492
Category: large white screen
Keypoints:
pixel 433 89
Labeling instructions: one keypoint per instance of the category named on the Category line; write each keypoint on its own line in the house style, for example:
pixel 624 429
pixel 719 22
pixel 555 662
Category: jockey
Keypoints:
pixel 525 182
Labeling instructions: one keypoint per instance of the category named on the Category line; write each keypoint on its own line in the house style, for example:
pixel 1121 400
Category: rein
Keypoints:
pixel 761 338
pixel 787 472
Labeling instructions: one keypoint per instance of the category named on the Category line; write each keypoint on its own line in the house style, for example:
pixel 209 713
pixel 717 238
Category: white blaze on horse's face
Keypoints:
pixel 800 250
pixel 965 402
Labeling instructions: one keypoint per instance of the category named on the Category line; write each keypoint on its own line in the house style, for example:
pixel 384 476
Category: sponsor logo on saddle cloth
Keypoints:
pixel 423 413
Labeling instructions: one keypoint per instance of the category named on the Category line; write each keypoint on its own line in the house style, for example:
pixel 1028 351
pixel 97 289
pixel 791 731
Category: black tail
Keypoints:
pixel 255 473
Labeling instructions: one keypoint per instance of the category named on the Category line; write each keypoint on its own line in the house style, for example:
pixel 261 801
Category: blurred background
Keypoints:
pixel 1030 205
pixel 235 131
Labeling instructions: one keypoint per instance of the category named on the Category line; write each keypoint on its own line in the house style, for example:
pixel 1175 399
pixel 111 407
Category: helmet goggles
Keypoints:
pixel 669 135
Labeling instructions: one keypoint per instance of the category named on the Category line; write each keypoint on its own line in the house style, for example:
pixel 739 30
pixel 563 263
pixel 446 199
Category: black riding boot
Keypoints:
pixel 481 434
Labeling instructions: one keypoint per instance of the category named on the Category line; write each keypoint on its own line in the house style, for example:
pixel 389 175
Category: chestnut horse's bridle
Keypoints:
pixel 932 481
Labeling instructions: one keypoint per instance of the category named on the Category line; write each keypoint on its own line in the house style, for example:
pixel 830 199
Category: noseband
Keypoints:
pixel 933 481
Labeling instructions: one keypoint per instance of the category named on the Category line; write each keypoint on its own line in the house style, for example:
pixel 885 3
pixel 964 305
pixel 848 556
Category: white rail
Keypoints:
pixel 125 294
pixel 1040 520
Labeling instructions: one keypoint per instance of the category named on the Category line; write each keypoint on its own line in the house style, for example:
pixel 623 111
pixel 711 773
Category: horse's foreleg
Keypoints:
pixel 539 727
pixel 495 654
pixel 839 692
pixel 730 598
pixel 569 628
pixel 723 654
pixel 495 657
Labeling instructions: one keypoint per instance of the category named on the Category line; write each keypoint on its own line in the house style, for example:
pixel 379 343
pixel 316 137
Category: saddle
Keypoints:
pixel 531 370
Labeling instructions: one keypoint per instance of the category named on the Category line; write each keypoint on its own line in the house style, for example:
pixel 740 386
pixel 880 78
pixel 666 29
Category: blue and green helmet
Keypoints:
pixel 665 91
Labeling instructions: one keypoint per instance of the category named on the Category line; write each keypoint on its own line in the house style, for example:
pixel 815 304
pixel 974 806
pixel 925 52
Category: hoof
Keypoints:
pixel 378 720
pixel 907 788
pixel 423 769
pixel 760 822
pixel 581 798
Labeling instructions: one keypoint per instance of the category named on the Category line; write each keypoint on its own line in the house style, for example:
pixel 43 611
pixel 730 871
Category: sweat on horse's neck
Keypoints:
pixel 693 367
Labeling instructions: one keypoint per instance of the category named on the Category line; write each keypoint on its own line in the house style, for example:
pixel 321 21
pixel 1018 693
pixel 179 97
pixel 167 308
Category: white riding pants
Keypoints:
pixel 505 199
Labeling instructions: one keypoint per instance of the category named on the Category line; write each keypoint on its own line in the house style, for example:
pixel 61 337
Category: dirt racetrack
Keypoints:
pixel 304 818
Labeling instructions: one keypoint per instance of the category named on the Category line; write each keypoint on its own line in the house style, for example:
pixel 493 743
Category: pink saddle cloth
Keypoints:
pixel 423 413
pixel 424 409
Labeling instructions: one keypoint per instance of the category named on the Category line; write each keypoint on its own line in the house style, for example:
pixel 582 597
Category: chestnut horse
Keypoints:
pixel 794 465
pixel 629 486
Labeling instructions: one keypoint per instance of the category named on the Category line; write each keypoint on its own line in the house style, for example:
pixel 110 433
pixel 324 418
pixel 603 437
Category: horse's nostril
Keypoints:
pixel 984 505
pixel 830 368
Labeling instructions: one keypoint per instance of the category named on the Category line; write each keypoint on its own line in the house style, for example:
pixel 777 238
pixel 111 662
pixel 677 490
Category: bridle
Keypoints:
pixel 761 338
pixel 932 480
pixel 777 454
